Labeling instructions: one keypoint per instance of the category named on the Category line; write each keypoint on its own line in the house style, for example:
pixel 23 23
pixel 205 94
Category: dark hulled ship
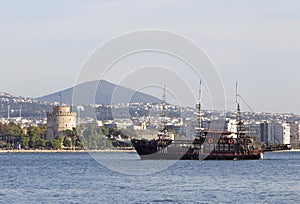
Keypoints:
pixel 207 144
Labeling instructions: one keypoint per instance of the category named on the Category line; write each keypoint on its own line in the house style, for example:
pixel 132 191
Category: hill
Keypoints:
pixel 104 94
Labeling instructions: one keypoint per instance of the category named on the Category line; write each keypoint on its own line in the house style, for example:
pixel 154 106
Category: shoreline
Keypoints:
pixel 64 151
pixel 100 151
pixel 277 151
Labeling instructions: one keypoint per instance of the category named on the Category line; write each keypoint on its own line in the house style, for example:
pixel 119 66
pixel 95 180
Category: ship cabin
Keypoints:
pixel 224 141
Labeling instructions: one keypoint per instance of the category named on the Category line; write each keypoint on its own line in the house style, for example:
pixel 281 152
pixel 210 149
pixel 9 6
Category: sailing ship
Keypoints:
pixel 207 144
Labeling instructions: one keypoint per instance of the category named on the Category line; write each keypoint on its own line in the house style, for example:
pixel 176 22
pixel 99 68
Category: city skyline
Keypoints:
pixel 45 44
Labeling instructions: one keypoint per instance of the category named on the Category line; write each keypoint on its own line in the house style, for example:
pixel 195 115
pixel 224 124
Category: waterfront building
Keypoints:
pixel 59 120
pixel 295 131
pixel 286 139
pixel 252 129
pixel 275 133
pixel 264 132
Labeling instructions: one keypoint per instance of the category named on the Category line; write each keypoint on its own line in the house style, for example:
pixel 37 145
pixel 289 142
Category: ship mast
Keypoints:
pixel 238 112
pixel 198 106
pixel 163 112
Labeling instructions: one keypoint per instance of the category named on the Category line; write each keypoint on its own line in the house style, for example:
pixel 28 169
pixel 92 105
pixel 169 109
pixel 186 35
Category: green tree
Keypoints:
pixel 48 144
pixel 56 143
pixel 104 130
pixel 78 144
pixel 94 138
pixel 36 135
pixel 24 142
pixel 70 135
pixel 41 143
pixel 67 142
pixel 33 140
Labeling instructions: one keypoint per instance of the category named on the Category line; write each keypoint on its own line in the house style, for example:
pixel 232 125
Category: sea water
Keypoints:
pixel 79 178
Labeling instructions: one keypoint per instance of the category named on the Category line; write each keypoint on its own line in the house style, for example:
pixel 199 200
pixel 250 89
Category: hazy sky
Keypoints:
pixel 44 43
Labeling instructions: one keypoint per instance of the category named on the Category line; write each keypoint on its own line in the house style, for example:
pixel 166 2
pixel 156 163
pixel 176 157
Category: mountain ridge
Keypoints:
pixel 106 93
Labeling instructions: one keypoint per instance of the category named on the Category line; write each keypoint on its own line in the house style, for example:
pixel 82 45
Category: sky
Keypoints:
pixel 44 44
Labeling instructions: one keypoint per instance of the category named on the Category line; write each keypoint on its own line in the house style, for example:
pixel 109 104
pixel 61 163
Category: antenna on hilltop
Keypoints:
pixel 60 98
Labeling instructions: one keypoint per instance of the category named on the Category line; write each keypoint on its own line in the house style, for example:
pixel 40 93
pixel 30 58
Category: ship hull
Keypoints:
pixel 151 152
pixel 250 156
pixel 174 156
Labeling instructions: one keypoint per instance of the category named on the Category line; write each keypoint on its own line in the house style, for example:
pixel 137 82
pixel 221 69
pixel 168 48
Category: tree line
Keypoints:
pixel 13 136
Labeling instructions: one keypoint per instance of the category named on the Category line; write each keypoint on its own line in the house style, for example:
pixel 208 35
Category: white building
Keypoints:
pixel 59 120
pixel 286 133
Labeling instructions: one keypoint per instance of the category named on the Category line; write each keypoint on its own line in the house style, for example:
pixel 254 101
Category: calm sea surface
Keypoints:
pixel 78 178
